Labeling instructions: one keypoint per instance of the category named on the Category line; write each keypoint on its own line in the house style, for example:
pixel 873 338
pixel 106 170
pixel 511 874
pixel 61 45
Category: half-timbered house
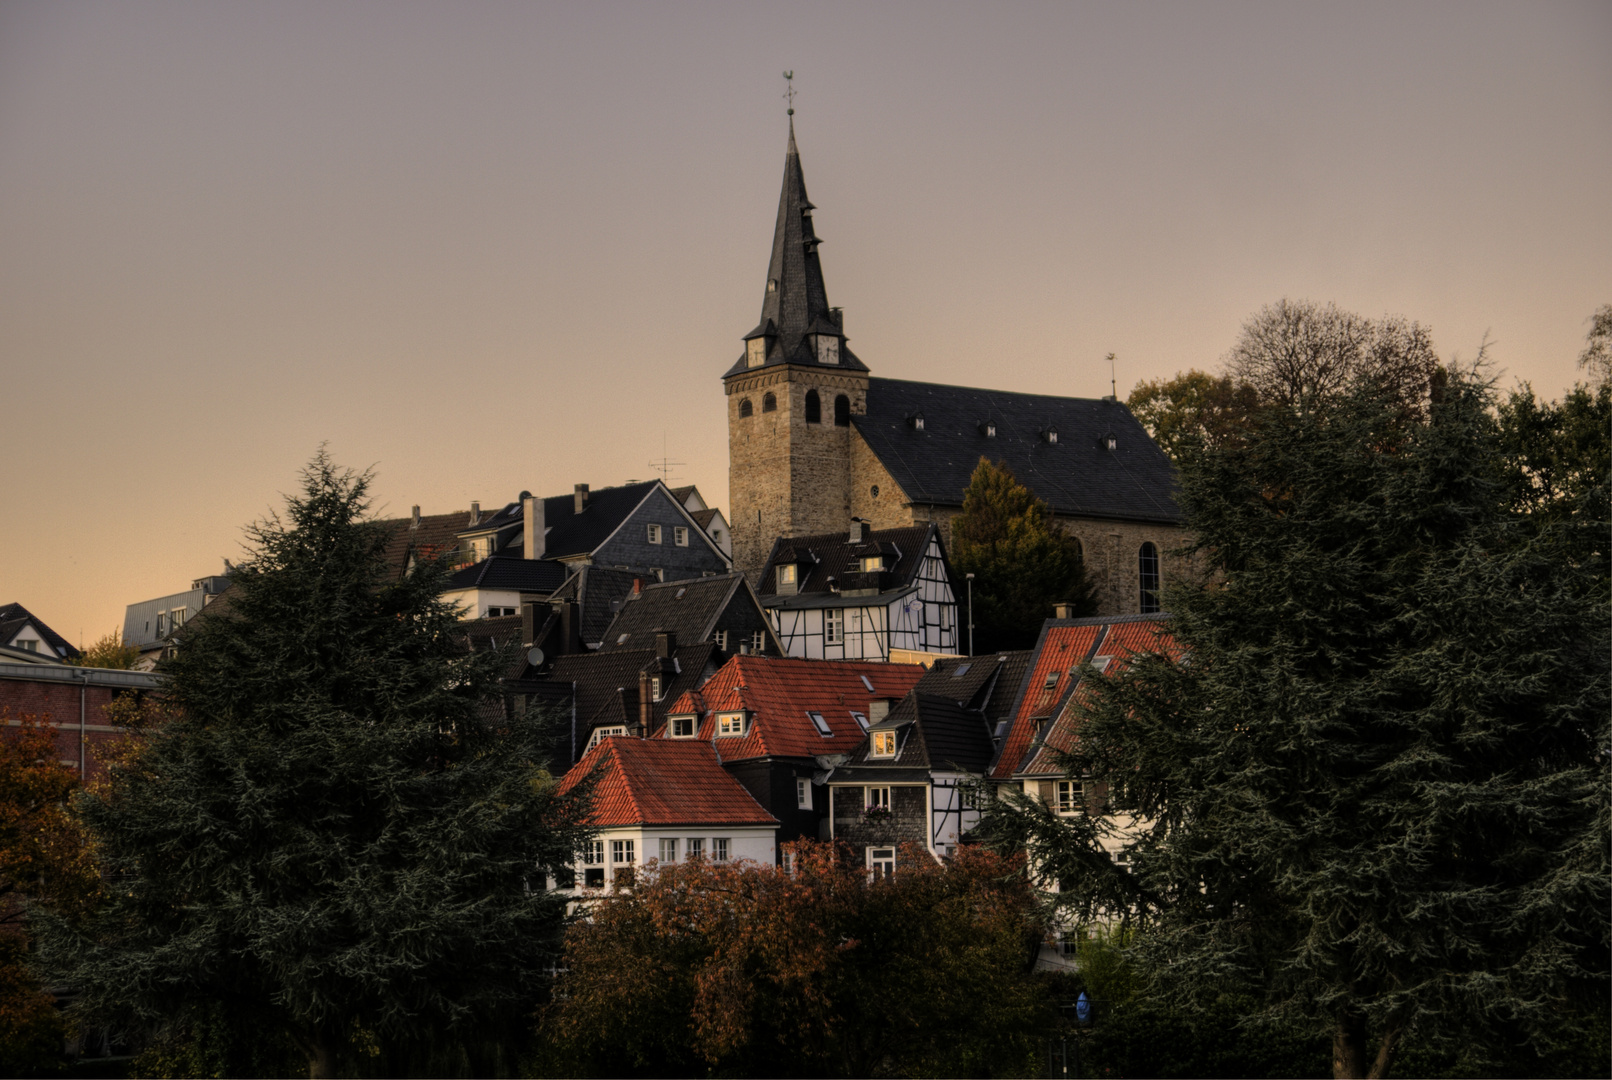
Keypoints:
pixel 859 594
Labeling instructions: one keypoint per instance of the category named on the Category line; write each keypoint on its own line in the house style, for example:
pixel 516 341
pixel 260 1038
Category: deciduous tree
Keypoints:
pixel 1194 406
pixel 332 836
pixel 109 652
pixel 1022 561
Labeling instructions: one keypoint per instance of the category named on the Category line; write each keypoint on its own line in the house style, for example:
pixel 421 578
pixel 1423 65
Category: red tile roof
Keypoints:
pixel 1063 645
pixel 1118 643
pixel 659 782
pixel 779 693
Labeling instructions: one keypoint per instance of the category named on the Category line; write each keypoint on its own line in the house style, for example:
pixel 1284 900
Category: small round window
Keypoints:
pixel 874 491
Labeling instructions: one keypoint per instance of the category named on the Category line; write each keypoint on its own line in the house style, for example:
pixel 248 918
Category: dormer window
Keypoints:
pixel 988 429
pixel 1111 442
pixel 1050 434
pixel 916 421
pixel 787 574
pixel 872 564
pixel 681 727
pixel 730 724
pixel 884 744
pixel 755 351
pixel 828 349
pixel 772 285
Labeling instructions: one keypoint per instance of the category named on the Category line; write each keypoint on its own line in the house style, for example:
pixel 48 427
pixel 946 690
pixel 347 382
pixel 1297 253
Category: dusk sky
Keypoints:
pixel 489 247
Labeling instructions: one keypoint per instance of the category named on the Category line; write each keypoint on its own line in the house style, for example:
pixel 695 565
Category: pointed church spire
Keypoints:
pixel 796 321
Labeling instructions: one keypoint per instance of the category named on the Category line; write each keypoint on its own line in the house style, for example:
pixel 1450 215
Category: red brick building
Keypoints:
pixel 76 699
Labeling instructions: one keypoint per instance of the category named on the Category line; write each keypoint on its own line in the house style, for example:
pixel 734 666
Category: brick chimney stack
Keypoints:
pixel 579 498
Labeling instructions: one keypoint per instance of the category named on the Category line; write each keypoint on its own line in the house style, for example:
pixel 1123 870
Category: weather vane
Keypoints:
pixel 789 90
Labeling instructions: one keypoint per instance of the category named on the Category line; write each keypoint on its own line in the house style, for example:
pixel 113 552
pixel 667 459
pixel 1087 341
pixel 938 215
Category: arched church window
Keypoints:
pixel 1148 568
pixel 769 403
pixel 814 408
pixel 842 411
pixel 745 408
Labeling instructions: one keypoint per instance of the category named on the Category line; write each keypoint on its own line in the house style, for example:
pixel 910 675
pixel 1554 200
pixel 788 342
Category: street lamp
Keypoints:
pixel 970 613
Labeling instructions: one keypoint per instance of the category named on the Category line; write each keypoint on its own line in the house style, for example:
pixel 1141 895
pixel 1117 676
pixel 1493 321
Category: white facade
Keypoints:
pixel 631 847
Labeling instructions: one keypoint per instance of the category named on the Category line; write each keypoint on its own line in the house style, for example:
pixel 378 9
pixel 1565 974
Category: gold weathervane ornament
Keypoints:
pixel 789 91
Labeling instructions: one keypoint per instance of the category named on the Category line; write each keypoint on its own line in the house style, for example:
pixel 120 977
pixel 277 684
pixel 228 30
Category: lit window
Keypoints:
pixel 731 723
pixel 803 793
pixel 882 863
pixel 872 564
pixel 1148 570
pixel 668 851
pixel 719 849
pixel 876 798
pixel 786 574
pixel 654 534
pixel 696 848
pixel 1071 797
pixel 680 536
pixel 819 723
pixel 833 627
pixel 884 744
pixel 682 727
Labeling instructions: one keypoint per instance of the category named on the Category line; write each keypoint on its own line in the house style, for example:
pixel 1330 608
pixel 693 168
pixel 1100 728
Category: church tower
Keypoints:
pixel 791 396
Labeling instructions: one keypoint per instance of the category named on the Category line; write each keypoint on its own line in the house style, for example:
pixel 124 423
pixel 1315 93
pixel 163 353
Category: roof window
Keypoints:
pixel 867 684
pixel 1050 434
pixel 820 724
pixel 961 670
pixel 861 720
pixel 988 429
pixel 916 421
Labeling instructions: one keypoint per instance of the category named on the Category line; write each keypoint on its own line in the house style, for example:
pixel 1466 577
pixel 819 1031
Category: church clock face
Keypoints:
pixel 828 349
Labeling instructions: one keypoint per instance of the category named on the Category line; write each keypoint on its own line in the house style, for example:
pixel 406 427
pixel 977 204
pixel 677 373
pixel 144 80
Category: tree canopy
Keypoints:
pixel 339 834
pixel 1194 407
pixel 1377 793
pixel 747 970
pixel 1022 561
pixel 109 651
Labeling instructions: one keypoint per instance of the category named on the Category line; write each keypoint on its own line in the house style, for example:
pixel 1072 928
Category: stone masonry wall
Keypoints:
pixel 908 823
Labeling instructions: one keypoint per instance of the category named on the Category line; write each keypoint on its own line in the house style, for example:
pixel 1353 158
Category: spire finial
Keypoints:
pixel 789 91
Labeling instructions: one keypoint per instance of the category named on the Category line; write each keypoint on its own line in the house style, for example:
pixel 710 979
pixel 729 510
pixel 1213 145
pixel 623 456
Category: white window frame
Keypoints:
pixel 872 564
pixel 803 793
pixel 876 797
pixel 668 849
pixel 680 535
pixel 731 724
pixel 653 532
pixel 721 849
pixel 881 862
pixel 694 849
pixel 657 688
pixel 758 642
pixel 883 744
pixel 593 853
pixel 1071 797
pixel 622 853
pixel 786 574
pixel 721 639
pixel 684 726
pixel 600 734
pixel 833 626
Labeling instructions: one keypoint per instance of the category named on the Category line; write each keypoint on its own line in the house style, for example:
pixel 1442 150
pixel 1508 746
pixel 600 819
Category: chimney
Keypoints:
pixel 646 708
pixel 579 498
pixel 415 524
pixel 637 586
pixel 1063 610
pixel 878 709
pixel 532 514
pixel 665 644
pixel 858 530
pixel 475 513
pixel 529 623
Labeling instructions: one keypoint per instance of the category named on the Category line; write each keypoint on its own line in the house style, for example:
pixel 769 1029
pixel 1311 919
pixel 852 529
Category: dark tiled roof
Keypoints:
pixel 435 534
pixel 795 301
pixel 833 555
pixel 988 683
pixel 1078 475
pixel 779 693
pixel 599 591
pixel 503 572
pixel 703 518
pixel 13 617
pixel 569 533
pixel 600 676
pixel 658 782
pixel 935 733
pixel 688 609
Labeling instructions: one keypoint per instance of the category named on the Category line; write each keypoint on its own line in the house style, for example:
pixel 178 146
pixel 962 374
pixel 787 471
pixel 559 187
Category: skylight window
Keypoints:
pixel 867 684
pixel 622 640
pixel 861 720
pixel 962 669
pixel 820 724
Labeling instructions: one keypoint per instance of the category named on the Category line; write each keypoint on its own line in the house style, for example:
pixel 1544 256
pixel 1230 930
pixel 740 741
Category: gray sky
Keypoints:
pixel 487 247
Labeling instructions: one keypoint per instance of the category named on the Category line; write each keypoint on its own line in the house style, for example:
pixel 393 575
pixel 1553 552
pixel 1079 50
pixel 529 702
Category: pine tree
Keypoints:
pixel 1378 790
pixel 339 835
pixel 1022 561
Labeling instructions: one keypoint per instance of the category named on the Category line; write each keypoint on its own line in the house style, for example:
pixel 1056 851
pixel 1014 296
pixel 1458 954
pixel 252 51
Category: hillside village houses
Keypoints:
pixel 739 685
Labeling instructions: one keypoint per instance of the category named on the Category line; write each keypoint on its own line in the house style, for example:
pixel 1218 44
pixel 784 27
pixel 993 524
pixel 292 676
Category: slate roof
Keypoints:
pixel 832 556
pixel 933 733
pixel 1078 475
pixel 780 692
pixel 436 533
pixel 1121 640
pixel 795 300
pixel 658 782
pixel 609 681
pixel 703 518
pixel 989 683
pixel 13 617
pixel 504 572
pixel 569 533
pixel 599 591
pixel 690 609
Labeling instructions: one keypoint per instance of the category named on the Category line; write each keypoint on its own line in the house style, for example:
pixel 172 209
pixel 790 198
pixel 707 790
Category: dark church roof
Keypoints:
pixel 1077 474
pixel 795 301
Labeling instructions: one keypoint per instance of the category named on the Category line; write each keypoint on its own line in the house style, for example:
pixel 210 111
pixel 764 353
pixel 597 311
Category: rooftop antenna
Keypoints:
pixel 789 91
pixel 1113 385
pixel 665 465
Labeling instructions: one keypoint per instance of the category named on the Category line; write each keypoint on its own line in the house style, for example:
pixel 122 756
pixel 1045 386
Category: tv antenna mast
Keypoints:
pixel 789 91
pixel 1113 384
pixel 664 465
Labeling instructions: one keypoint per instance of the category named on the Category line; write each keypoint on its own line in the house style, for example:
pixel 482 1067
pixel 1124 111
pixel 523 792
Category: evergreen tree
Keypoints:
pixel 1022 561
pixel 1377 793
pixel 339 836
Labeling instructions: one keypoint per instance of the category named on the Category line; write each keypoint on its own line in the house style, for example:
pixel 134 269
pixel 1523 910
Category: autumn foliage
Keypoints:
pixel 742 969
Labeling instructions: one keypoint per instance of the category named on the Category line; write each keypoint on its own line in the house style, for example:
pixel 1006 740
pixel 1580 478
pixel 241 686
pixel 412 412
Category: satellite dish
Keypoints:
pixel 535 657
